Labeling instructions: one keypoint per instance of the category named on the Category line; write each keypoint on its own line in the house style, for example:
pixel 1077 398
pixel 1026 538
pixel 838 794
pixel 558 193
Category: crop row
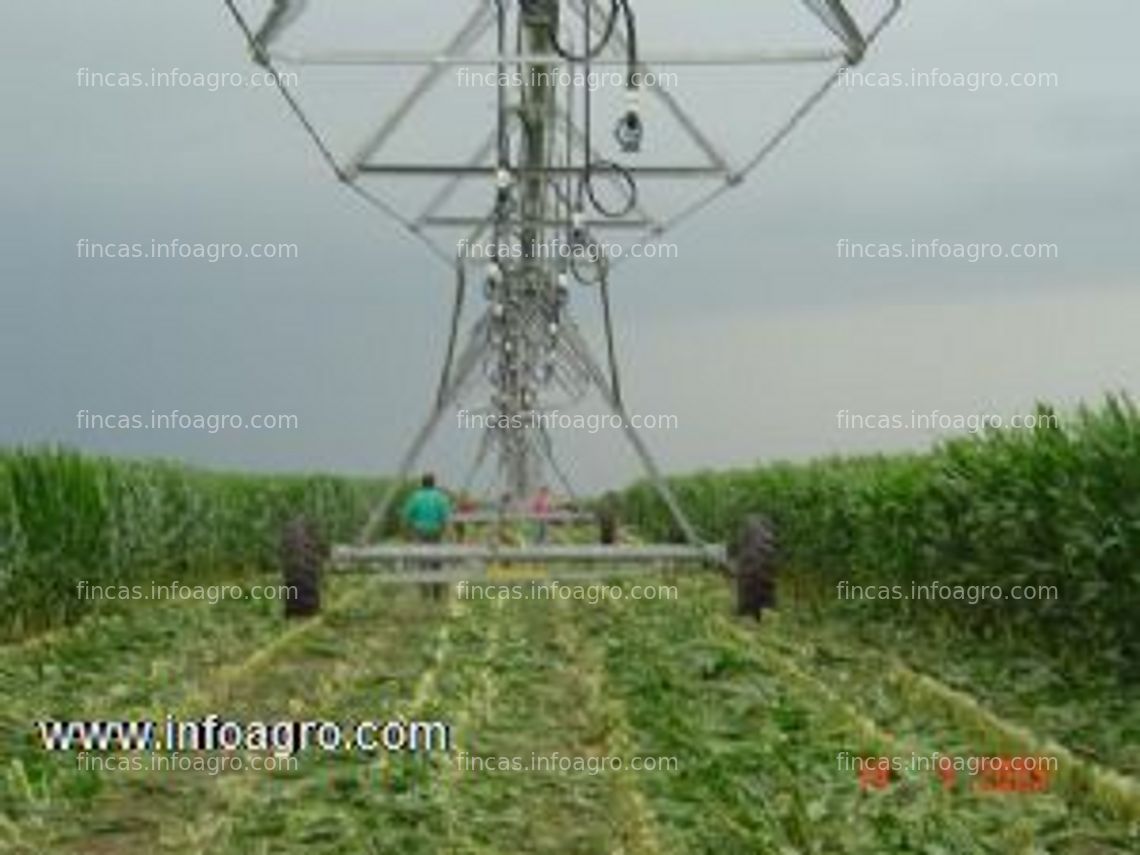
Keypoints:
pixel 65 517
pixel 1057 506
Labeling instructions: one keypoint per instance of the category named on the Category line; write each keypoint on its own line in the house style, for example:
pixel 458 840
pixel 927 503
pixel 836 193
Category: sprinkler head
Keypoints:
pixel 630 132
pixel 578 228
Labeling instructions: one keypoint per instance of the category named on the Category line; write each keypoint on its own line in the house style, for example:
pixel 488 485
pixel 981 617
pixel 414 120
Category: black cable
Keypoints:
pixel 631 42
pixel 587 123
pixel 456 315
pixel 624 174
pixel 504 152
pixel 503 158
pixel 601 263
pixel 587 186
pixel 630 131
pixel 591 53
pixel 616 6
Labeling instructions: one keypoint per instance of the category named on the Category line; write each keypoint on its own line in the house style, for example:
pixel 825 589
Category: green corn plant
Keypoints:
pixel 65 517
pixel 1058 505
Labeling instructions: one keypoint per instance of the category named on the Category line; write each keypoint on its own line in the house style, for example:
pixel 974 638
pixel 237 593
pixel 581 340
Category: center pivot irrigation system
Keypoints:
pixel 547 181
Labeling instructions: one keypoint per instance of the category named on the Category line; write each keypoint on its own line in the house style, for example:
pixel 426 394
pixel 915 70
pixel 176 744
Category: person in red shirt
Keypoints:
pixel 540 506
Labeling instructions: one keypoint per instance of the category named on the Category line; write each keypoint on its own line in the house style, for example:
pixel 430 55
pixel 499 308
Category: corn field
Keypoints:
pixel 65 518
pixel 718 735
pixel 1057 507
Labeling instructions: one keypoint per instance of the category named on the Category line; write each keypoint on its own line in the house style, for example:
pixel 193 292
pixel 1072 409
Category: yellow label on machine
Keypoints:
pixel 501 572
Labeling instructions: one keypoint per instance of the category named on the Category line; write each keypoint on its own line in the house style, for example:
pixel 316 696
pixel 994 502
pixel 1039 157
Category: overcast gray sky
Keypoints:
pixel 755 337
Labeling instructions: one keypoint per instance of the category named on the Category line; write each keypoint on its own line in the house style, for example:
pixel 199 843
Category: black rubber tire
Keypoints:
pixel 754 556
pixel 302 555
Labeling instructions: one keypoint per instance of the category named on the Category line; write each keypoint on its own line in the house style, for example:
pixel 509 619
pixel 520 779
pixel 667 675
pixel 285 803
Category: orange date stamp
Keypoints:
pixel 988 774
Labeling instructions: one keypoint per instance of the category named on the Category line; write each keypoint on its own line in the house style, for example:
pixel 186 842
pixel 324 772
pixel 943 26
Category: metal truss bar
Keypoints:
pixel 568 357
pixel 574 338
pixel 452 186
pixel 873 33
pixel 788 56
pixel 280 17
pixel 453 332
pixel 837 19
pixel 430 170
pixel 554 517
pixel 575 133
pixel 372 199
pixel 453 222
pixel 769 146
pixel 477 24
pixel 774 141
pixel 464 370
pixel 672 104
pixel 382 205
pixel 546 446
pixel 257 50
pixel 480 575
pixel 564 198
pixel 611 346
pixel 539 554
pixel 485 443
pixel 478 230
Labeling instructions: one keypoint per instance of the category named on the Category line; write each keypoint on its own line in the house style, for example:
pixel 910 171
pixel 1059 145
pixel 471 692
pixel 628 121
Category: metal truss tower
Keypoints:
pixel 548 185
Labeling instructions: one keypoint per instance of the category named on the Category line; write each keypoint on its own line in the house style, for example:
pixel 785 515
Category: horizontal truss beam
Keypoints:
pixel 420 170
pixel 481 575
pixel 790 56
pixel 418 553
pixel 554 517
pixel 450 222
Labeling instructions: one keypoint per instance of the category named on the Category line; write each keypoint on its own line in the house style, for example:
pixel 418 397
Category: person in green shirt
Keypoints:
pixel 426 515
